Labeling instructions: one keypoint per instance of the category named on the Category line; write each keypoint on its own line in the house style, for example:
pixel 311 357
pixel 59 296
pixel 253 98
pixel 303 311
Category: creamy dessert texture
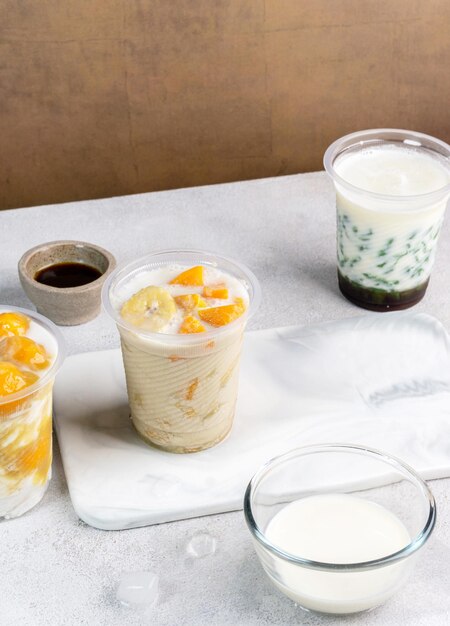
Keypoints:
pixel 182 394
pixel 341 529
pixel 27 351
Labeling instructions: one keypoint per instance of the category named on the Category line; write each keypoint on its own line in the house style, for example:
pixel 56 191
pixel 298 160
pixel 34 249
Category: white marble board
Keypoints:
pixel 378 380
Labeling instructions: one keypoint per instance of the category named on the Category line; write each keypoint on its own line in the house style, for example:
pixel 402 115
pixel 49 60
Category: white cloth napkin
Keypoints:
pixel 381 380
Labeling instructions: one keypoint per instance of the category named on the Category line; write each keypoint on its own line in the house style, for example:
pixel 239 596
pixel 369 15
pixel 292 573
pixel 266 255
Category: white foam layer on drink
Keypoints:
pixel 161 277
pixel 393 170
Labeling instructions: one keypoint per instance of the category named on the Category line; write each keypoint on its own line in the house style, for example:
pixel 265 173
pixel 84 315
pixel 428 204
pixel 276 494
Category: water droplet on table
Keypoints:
pixel 138 589
pixel 201 545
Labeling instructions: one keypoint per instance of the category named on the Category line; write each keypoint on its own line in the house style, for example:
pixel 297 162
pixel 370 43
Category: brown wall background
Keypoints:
pixel 108 97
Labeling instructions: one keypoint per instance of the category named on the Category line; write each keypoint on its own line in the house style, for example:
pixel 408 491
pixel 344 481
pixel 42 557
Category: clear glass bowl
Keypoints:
pixel 343 587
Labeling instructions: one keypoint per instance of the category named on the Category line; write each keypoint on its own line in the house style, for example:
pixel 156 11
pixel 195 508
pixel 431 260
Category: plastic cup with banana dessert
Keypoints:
pixel 31 353
pixel 181 315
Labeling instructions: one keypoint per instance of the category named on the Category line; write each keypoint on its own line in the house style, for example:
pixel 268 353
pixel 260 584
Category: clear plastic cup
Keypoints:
pixel 182 388
pixel 378 483
pixel 26 427
pixel 386 243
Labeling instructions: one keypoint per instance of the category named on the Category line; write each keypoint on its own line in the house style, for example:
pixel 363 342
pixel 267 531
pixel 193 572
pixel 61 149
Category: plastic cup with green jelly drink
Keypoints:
pixel 392 188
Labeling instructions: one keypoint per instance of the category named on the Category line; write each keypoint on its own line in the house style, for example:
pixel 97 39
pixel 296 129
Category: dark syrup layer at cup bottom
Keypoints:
pixel 379 299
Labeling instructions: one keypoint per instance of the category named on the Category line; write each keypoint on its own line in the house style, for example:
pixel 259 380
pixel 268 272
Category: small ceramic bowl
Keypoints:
pixel 66 306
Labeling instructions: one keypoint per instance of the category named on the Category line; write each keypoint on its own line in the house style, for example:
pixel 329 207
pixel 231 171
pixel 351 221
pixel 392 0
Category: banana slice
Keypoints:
pixel 151 308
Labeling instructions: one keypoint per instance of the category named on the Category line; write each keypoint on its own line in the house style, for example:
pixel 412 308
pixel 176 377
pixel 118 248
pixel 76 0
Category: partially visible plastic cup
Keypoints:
pixel 182 388
pixel 26 426
pixel 392 188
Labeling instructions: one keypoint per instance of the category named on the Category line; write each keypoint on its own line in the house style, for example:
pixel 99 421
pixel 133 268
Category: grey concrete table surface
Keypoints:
pixel 55 569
